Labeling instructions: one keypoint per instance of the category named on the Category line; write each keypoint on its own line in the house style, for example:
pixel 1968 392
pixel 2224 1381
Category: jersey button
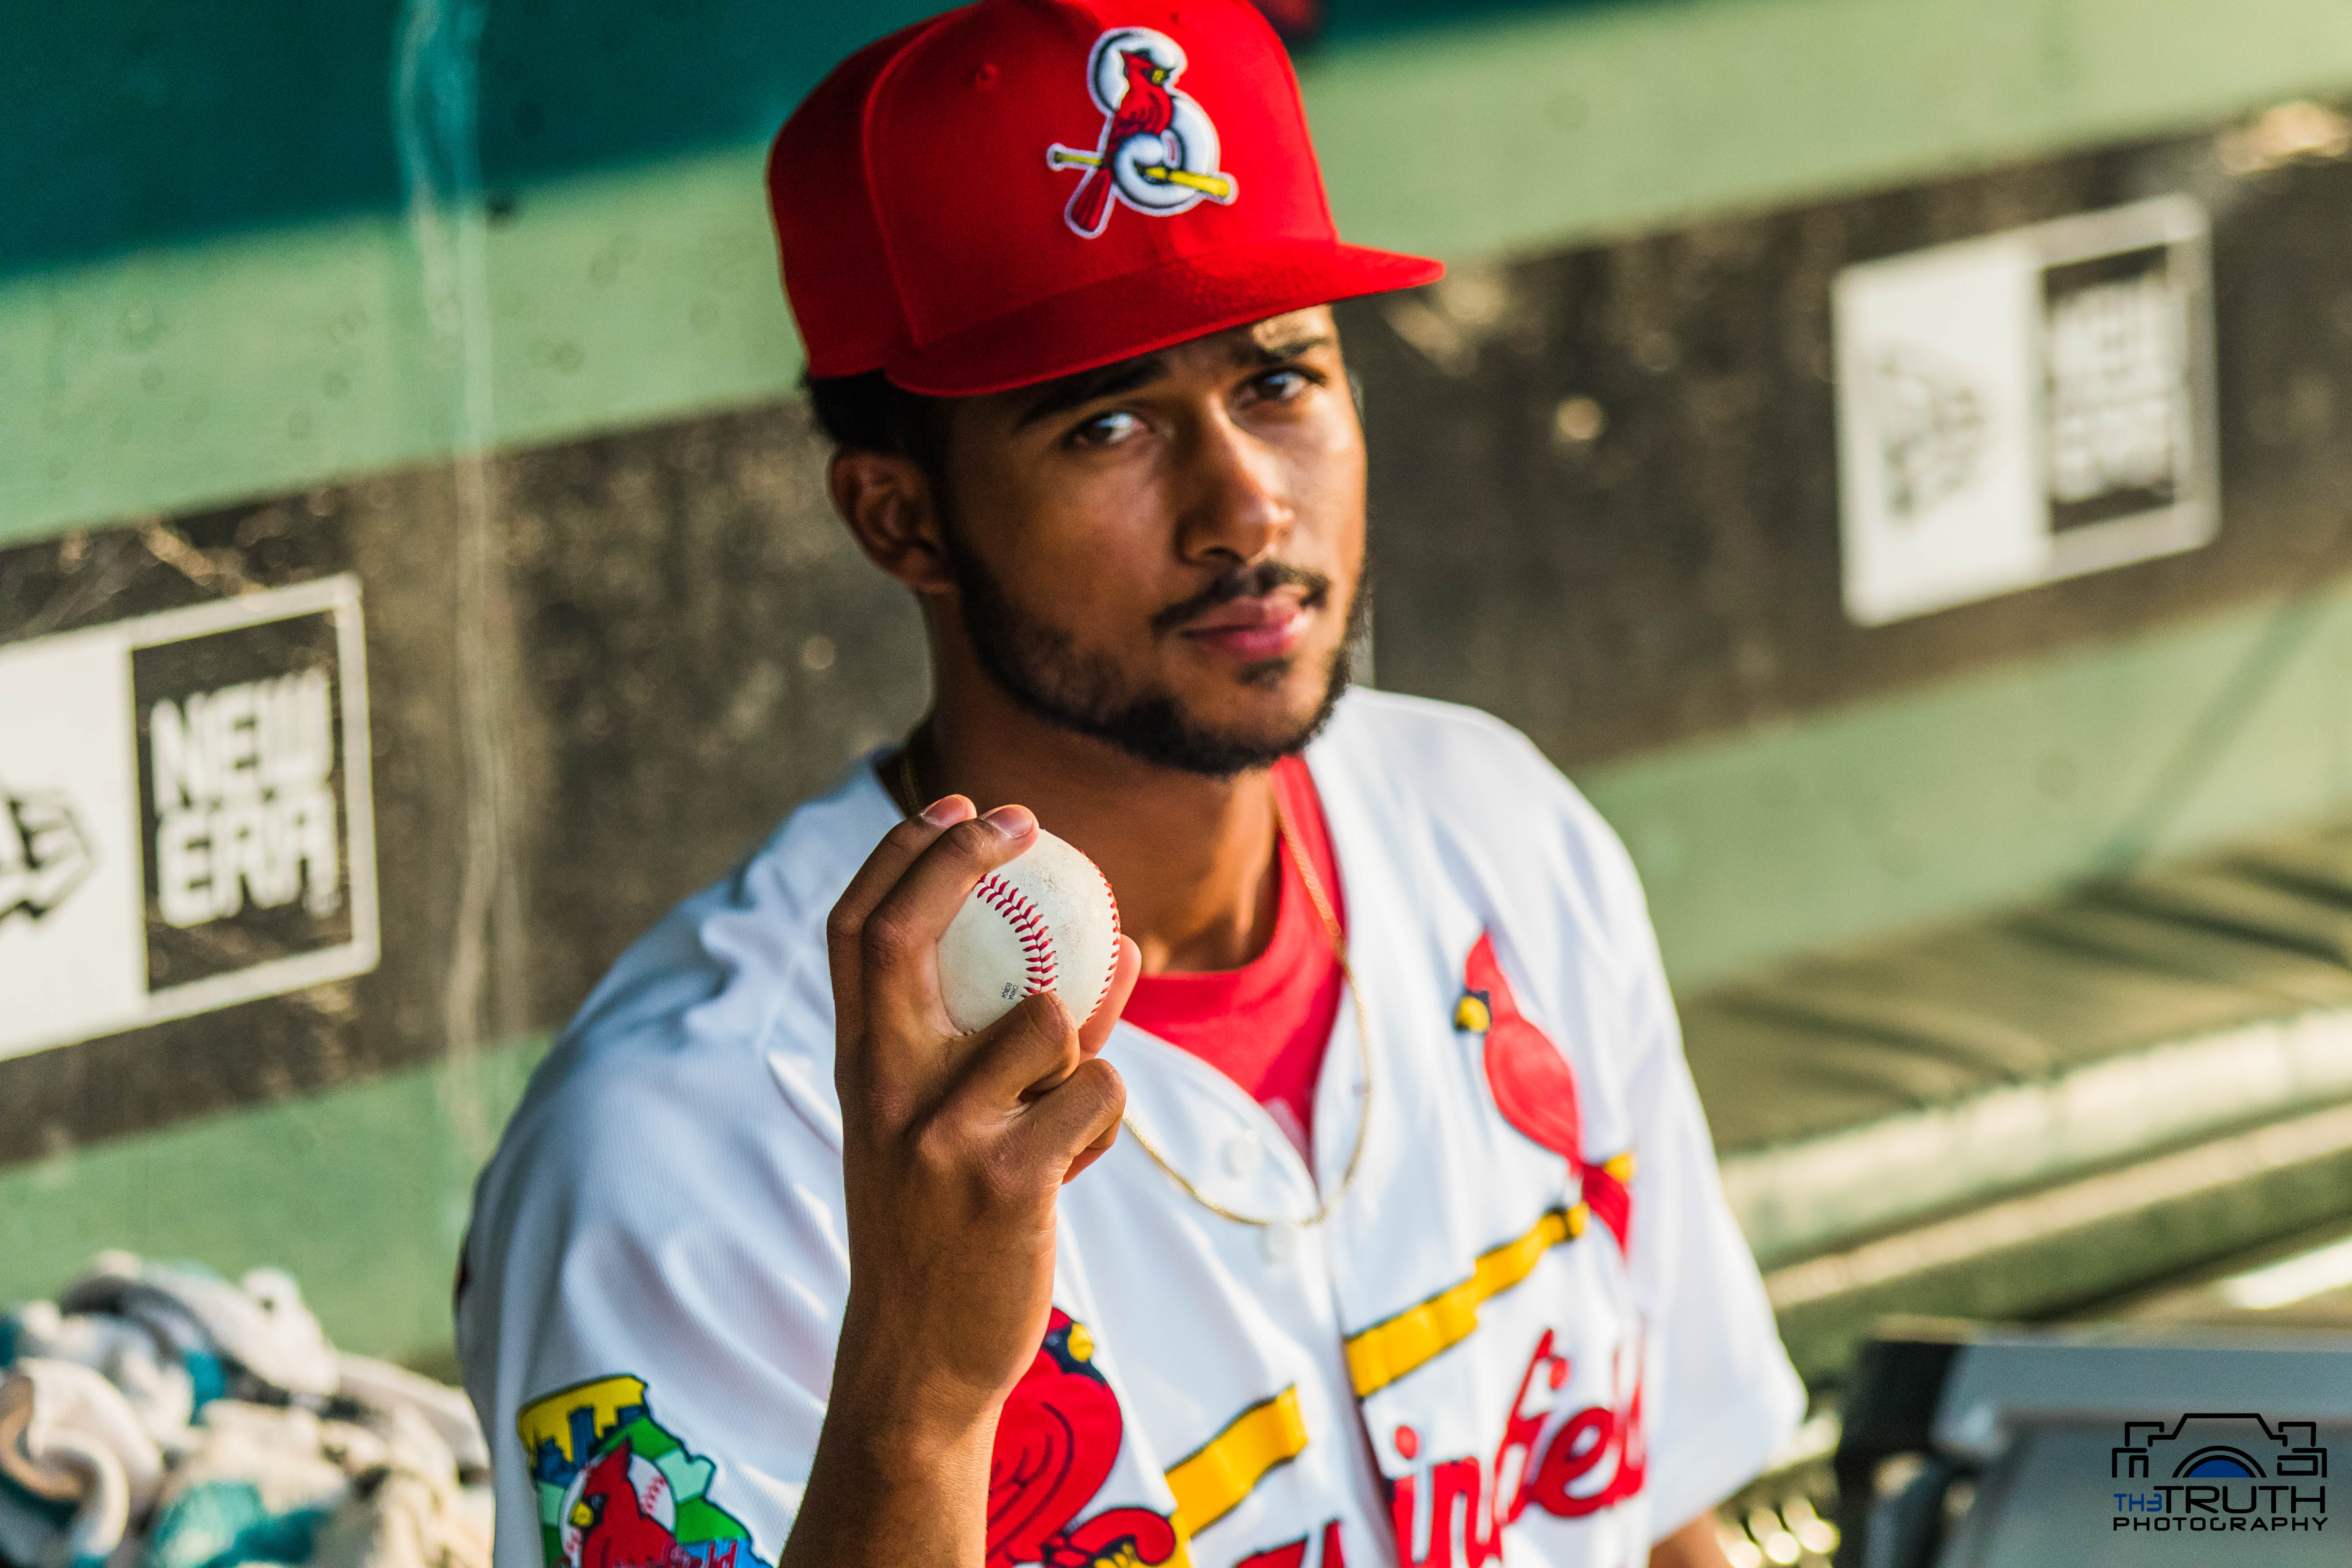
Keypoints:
pixel 1243 1153
pixel 1278 1242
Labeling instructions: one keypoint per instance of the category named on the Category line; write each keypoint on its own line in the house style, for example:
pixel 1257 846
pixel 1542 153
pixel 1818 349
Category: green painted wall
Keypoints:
pixel 1512 134
pixel 262 362
pixel 1961 798
pixel 363 1194
pixel 142 122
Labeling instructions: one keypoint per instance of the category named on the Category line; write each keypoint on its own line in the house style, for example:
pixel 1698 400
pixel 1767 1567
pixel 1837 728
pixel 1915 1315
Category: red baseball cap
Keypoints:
pixel 1021 189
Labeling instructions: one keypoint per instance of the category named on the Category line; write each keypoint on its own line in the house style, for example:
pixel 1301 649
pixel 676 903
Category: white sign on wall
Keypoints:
pixel 2023 407
pixel 184 814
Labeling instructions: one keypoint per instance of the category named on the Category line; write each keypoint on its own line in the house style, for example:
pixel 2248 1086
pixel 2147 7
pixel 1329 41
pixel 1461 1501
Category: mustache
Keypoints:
pixel 1244 582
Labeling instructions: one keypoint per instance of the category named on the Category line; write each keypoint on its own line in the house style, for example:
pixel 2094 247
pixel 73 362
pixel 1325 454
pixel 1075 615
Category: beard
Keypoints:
pixel 1043 670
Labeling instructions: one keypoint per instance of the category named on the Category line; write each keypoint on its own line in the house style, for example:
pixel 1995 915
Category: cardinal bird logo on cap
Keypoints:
pixel 1158 151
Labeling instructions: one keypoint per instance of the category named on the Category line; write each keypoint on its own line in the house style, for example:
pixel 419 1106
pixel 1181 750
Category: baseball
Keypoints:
pixel 1046 920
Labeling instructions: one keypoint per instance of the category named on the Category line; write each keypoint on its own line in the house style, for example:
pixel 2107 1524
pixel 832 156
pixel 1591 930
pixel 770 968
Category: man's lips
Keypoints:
pixel 1265 626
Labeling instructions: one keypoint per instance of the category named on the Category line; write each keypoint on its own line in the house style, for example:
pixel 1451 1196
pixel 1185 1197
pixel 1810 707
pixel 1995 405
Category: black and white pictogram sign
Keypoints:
pixel 184 818
pixel 2024 408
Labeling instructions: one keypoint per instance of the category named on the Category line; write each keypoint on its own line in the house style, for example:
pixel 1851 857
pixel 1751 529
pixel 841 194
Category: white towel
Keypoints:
pixel 67 1437
pixel 149 1373
pixel 262 1326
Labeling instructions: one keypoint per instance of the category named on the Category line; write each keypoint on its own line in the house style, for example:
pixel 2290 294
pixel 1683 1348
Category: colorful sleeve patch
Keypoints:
pixel 616 1489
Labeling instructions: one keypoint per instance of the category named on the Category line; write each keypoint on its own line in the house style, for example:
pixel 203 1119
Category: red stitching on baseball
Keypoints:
pixel 1028 925
pixel 1111 971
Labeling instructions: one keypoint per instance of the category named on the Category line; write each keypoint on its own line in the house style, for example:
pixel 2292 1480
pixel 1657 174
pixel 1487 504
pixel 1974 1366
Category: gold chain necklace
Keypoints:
pixel 900 774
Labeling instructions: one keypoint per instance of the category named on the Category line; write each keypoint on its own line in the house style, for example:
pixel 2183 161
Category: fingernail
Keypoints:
pixel 1012 821
pixel 942 811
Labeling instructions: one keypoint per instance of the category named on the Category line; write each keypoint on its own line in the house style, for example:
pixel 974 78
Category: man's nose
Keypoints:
pixel 1236 506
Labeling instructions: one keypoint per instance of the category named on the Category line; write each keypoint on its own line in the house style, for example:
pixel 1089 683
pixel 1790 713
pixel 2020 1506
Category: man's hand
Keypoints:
pixel 953 1151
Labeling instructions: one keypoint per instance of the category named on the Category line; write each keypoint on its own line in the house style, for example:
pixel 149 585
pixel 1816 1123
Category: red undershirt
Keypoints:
pixel 1265 1024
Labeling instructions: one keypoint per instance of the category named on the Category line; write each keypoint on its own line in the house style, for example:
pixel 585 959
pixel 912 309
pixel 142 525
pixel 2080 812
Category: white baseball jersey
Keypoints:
pixel 1527 1332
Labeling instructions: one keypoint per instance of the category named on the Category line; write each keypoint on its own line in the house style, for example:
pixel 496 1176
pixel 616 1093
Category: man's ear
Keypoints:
pixel 887 502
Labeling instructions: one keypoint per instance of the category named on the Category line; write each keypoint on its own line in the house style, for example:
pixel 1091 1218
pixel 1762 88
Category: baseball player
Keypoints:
pixel 1370 1218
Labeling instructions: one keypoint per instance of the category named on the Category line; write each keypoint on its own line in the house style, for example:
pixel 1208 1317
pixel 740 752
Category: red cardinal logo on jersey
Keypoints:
pixel 1158 150
pixel 619 1532
pixel 1534 1087
pixel 1055 1443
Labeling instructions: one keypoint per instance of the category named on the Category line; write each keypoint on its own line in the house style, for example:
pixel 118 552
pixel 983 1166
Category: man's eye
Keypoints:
pixel 1282 384
pixel 1107 429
